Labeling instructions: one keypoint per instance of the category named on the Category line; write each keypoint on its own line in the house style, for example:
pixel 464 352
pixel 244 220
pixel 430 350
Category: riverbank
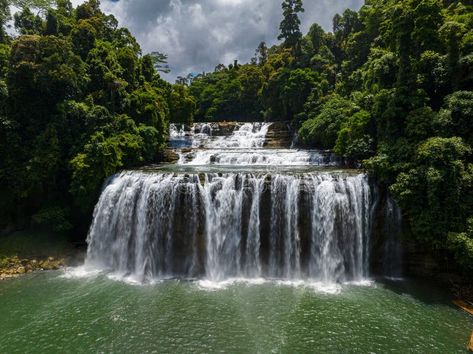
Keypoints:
pixel 29 251
pixel 13 267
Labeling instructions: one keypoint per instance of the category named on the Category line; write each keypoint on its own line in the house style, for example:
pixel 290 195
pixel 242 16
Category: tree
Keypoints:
pixel 36 4
pixel 4 17
pixel 451 34
pixel 324 123
pixel 354 141
pixel 262 53
pixel 89 9
pixel 461 244
pixel 101 157
pixel 345 25
pixel 77 103
pixel 160 62
pixel 147 107
pixel 297 88
pixel 28 23
pixel 83 37
pixel 427 20
pixel 442 178
pixel 290 25
pixel 181 105
pixel 317 37
pixel 457 117
pixel 251 79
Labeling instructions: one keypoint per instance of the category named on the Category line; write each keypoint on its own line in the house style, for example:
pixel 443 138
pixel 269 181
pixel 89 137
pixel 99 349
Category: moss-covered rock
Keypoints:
pixel 11 267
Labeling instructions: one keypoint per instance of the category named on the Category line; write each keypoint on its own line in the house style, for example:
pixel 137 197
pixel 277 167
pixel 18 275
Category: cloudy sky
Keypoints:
pixel 199 34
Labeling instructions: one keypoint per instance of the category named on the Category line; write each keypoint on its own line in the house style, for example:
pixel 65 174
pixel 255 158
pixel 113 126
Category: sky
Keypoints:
pixel 197 35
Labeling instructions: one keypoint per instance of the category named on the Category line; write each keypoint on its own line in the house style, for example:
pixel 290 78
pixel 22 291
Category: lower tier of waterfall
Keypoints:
pixel 313 225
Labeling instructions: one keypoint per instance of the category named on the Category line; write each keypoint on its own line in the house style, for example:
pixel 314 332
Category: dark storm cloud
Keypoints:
pixel 198 35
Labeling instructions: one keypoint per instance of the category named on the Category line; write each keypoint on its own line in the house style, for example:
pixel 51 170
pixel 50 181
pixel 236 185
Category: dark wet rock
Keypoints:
pixel 279 136
pixel 170 156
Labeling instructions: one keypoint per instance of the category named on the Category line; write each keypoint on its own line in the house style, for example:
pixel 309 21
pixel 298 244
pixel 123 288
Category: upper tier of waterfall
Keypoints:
pixel 238 203
pixel 239 144
pixel 211 136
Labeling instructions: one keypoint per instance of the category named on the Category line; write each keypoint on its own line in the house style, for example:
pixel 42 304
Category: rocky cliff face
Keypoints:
pixel 279 136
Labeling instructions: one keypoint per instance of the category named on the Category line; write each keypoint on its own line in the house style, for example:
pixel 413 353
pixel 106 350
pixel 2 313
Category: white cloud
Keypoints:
pixel 198 35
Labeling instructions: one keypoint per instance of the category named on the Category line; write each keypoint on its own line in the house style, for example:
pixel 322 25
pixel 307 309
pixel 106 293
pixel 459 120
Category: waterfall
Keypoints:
pixel 151 225
pixel 244 146
pixel 198 135
pixel 231 208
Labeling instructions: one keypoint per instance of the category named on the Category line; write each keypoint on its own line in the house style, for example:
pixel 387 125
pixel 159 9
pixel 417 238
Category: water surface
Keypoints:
pixel 48 313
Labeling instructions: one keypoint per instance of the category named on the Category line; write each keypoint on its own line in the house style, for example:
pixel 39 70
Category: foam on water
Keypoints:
pixel 315 286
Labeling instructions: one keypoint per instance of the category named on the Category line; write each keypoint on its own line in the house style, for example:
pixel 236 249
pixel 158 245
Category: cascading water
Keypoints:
pixel 217 223
pixel 244 147
pixel 153 224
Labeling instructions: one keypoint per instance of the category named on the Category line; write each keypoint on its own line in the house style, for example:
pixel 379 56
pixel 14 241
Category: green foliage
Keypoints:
pixel 228 93
pixel 297 88
pixel 421 124
pixel 354 141
pixel 324 123
pixel 78 103
pixel 55 218
pixel 102 156
pixel 181 105
pixel 290 25
pixel 437 191
pixel 28 23
pixel 147 106
pixel 457 118
pixel 83 37
pixel 262 54
pixel 160 62
pixel 4 17
pixel 433 76
pixel 461 244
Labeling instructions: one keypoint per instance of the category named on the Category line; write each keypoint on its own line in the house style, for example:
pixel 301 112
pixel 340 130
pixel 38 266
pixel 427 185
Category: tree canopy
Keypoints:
pixel 78 102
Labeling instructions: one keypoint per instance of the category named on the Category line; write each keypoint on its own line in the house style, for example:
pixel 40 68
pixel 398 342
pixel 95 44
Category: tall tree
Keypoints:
pixel 160 62
pixel 4 17
pixel 290 25
pixel 262 53
pixel 28 23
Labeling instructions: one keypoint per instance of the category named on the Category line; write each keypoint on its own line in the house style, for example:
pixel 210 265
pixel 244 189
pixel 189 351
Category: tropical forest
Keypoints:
pixel 317 198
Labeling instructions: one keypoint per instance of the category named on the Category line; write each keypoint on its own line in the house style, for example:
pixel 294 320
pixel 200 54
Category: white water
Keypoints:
pixel 156 225
pixel 245 146
pixel 198 135
pixel 206 135
pixel 257 157
pixel 222 225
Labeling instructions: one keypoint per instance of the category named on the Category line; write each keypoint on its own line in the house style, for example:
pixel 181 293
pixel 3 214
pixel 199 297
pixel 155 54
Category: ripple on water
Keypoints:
pixel 50 313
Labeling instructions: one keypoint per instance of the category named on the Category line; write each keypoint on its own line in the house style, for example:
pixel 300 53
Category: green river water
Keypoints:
pixel 53 313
